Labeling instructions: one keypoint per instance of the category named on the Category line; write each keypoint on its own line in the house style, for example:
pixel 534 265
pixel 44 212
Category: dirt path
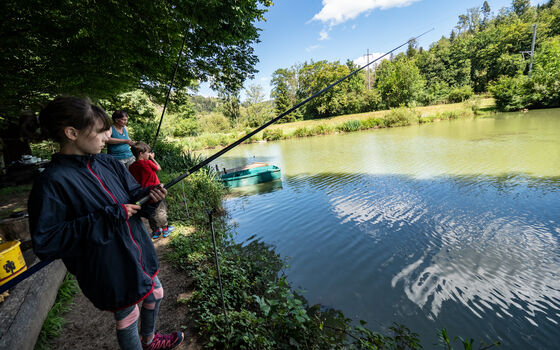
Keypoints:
pixel 89 329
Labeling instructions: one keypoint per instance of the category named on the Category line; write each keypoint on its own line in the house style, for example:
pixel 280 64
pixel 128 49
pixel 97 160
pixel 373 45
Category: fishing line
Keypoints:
pixel 170 88
pixel 272 121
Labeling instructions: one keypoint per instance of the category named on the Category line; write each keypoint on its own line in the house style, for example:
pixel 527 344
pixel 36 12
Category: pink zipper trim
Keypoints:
pixel 127 223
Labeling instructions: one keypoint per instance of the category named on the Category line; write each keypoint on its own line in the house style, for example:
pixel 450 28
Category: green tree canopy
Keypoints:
pixel 343 98
pixel 103 48
pixel 399 82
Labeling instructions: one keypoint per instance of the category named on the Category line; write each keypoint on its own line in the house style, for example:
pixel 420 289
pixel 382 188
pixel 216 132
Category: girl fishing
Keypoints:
pixel 81 210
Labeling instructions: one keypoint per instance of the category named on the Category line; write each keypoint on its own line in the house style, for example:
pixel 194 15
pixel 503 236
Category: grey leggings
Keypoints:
pixel 127 319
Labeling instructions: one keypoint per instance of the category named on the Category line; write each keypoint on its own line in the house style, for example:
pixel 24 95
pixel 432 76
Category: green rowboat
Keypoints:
pixel 250 175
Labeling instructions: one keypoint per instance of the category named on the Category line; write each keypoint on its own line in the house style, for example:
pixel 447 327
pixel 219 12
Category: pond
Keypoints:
pixel 454 224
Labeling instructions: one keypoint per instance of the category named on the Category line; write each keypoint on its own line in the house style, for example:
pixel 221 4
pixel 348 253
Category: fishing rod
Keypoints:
pixel 170 88
pixel 272 121
pixel 205 162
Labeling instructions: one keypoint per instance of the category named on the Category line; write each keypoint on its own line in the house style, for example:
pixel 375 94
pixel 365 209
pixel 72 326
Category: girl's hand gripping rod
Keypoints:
pixel 236 143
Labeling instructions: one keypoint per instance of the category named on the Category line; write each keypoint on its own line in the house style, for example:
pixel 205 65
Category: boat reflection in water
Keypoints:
pixel 262 188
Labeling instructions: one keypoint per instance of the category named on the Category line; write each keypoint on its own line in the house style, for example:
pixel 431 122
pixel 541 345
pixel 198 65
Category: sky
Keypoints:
pixel 298 31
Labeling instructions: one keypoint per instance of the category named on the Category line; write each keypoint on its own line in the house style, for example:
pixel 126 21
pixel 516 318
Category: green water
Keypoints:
pixel 454 224
pixel 522 143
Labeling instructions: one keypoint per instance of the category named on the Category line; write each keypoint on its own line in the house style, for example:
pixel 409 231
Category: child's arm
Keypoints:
pixel 153 159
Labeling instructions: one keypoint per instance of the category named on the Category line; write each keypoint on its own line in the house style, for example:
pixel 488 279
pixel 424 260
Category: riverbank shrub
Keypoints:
pixel 401 117
pixel 186 127
pixel 349 126
pixel 372 122
pixel 301 132
pixel 542 90
pixel 273 134
pixel 509 93
pixel 214 123
pixel 173 158
pixel 460 94
pixel 323 129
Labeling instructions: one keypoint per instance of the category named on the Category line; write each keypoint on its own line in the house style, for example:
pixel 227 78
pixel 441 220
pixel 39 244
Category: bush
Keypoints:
pixel 301 132
pixel 401 117
pixel 435 93
pixel 273 134
pixel 473 103
pixel 44 149
pixel 372 101
pixel 349 126
pixel 186 127
pixel 371 123
pixel 460 94
pixel 214 123
pixel 543 88
pixel 449 115
pixel 322 129
pixel 173 158
pixel 510 93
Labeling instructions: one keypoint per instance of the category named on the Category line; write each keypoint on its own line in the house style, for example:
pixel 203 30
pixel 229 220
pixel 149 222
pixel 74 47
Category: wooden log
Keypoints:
pixel 15 229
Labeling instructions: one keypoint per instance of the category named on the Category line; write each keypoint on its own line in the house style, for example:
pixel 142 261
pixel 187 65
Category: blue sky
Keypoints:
pixel 297 31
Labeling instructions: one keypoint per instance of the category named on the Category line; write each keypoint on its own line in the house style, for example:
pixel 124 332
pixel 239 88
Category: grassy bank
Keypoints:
pixel 475 107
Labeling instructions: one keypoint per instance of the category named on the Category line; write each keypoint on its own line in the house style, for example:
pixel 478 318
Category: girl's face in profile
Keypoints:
pixel 91 140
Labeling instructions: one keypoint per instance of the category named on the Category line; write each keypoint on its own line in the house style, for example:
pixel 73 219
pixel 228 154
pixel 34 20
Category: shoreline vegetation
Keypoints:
pixel 477 106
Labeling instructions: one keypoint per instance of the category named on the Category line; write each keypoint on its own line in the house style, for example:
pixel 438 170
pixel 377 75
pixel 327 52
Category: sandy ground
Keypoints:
pixel 88 328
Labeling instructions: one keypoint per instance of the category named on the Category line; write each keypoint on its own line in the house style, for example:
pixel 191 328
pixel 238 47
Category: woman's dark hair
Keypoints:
pixel 118 115
pixel 66 111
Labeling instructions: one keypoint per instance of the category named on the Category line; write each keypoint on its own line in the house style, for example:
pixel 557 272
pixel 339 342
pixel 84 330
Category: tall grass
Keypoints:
pixel 52 327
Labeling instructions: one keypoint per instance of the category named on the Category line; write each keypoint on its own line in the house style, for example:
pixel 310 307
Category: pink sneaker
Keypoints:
pixel 164 341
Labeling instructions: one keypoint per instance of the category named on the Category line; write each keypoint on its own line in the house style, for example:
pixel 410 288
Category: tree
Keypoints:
pixel 544 84
pixel 343 98
pixel 230 107
pixel 285 85
pixel 520 6
pixel 103 48
pixel 470 21
pixel 412 48
pixel 258 111
pixel 399 82
pixel 486 12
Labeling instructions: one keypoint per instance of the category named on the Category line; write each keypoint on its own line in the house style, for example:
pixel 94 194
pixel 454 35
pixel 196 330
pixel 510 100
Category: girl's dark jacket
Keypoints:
pixel 77 213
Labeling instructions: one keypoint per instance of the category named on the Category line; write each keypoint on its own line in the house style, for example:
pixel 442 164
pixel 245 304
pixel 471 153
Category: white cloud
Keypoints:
pixel 312 47
pixel 338 11
pixel 363 60
pixel 324 34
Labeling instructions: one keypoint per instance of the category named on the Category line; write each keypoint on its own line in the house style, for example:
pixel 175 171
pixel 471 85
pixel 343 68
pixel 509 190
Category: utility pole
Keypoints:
pixel 532 48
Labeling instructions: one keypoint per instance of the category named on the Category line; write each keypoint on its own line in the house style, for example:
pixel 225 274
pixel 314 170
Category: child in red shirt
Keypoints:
pixel 144 171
